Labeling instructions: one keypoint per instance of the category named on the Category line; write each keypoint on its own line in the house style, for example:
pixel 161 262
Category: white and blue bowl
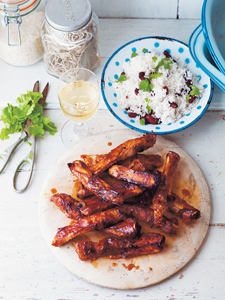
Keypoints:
pixel 177 49
pixel 213 24
pixel 200 53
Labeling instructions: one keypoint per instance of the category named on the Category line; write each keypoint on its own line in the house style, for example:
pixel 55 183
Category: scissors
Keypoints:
pixel 29 158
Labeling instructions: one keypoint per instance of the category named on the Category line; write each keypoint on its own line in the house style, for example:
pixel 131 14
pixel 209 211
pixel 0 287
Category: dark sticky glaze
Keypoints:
pixel 93 183
pixel 123 151
pixel 148 243
pixel 129 228
pixel 182 209
pixel 96 221
pixel 165 187
pixel 144 179
pixel 68 205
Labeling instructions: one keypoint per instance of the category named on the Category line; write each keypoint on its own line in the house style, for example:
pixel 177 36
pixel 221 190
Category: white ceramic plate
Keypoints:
pixel 177 49
pixel 148 269
pixel 201 55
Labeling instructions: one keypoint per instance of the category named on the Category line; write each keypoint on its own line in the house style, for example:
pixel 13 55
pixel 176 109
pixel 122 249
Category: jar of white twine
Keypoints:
pixel 70 36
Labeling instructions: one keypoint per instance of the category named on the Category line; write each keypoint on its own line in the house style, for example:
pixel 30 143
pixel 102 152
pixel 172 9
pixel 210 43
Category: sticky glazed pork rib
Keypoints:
pixel 143 179
pixel 96 185
pixel 182 209
pixel 165 187
pixel 123 151
pixel 146 214
pixel 129 228
pixel 67 205
pixel 147 243
pixel 96 221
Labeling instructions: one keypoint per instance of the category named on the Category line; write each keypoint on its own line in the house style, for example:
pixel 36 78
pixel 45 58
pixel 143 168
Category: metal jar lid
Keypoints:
pixel 68 15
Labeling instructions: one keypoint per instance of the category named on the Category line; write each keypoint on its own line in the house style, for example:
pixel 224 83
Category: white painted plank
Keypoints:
pixel 190 9
pixel 148 9
pixel 135 9
pixel 115 33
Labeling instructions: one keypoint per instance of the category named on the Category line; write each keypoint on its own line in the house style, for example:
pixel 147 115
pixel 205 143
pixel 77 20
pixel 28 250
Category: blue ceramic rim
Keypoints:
pixel 191 39
pixel 207 39
pixel 197 32
pixel 211 75
pixel 129 125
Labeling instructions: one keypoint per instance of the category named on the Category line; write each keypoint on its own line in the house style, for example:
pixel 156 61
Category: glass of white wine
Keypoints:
pixel 79 94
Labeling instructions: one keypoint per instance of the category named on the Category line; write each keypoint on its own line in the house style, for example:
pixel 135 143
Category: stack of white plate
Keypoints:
pixel 207 42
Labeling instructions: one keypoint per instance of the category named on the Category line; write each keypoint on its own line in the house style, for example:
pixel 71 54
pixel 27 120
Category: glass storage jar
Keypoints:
pixel 70 36
pixel 20 31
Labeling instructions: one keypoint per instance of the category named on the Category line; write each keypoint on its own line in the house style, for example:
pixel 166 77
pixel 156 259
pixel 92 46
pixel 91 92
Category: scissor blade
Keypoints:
pixel 41 101
pixel 36 86
pixel 44 93
pixel 35 89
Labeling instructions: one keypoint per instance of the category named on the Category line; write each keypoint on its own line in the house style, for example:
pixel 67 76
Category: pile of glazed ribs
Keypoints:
pixel 114 192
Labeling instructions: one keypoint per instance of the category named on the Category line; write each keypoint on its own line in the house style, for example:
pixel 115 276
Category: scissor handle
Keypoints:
pixel 28 159
pixel 11 149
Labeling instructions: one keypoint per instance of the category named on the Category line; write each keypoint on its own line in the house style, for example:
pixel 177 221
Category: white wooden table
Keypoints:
pixel 28 270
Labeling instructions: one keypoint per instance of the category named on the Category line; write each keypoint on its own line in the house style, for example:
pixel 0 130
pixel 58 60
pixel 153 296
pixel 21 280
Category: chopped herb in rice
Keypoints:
pixel 157 88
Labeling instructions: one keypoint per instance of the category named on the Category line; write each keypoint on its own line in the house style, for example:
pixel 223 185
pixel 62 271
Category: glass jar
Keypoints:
pixel 20 31
pixel 70 36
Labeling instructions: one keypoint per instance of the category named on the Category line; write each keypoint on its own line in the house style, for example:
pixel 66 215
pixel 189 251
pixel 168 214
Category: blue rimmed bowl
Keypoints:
pixel 177 49
pixel 213 24
pixel 200 53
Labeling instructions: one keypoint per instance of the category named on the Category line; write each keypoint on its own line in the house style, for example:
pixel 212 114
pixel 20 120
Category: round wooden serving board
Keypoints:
pixel 139 271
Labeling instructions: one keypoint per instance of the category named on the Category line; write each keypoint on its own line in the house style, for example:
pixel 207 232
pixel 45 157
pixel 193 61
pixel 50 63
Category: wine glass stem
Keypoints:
pixel 80 128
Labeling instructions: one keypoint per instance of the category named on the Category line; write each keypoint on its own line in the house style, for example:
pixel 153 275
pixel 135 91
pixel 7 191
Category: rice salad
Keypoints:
pixel 156 88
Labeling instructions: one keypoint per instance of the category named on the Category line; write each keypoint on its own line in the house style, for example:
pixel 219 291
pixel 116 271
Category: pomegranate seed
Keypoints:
pixel 132 115
pixel 136 91
pixel 167 90
pixel 127 97
pixel 177 94
pixel 151 120
pixel 142 75
pixel 123 73
pixel 173 104
pixel 191 99
pixel 166 53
